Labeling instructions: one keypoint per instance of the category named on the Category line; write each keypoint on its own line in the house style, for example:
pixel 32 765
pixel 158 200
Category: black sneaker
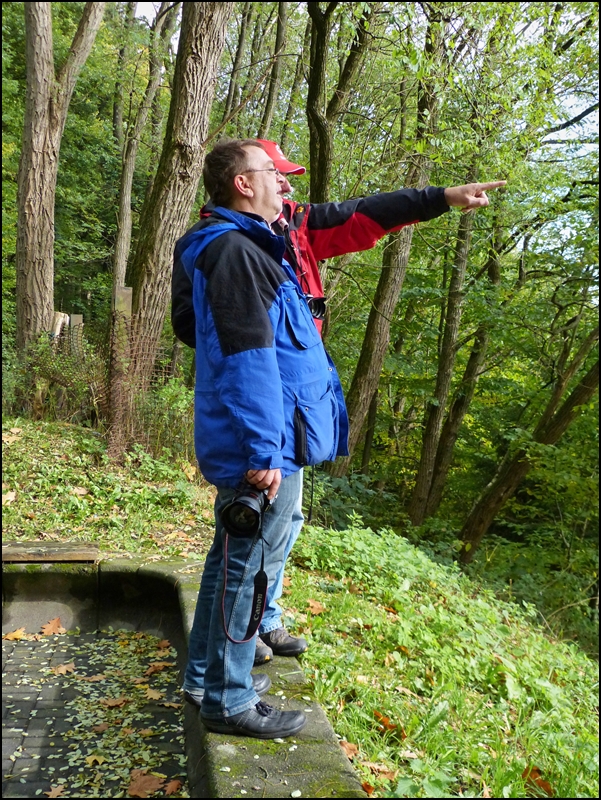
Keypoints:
pixel 261 685
pixel 282 644
pixel 260 722
pixel 263 654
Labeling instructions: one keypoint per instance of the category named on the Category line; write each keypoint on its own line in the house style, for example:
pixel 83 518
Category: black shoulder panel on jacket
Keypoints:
pixel 242 282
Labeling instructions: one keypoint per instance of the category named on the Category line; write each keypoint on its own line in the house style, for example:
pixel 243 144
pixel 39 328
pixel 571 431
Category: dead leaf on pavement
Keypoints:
pixel 14 636
pixel 91 760
pixel 153 694
pixel 164 652
pixel 53 626
pixel 147 732
pixel 101 728
pixel 315 607
pixel 92 678
pixel 173 786
pixel 158 666
pixel 56 791
pixel 115 702
pixel 141 784
pixel 350 749
pixel 8 497
pixel 172 705
pixel 62 669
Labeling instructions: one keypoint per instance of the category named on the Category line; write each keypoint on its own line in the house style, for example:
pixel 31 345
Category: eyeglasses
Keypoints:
pixel 268 169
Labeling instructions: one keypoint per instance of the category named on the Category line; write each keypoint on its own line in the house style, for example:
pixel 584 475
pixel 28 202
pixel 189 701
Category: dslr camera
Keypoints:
pixel 243 517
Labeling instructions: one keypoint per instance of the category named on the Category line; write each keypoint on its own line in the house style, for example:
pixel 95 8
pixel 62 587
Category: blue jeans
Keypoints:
pixel 272 618
pixel 216 664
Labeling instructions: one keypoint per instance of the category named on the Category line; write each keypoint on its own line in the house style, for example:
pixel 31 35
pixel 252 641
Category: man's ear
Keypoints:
pixel 242 186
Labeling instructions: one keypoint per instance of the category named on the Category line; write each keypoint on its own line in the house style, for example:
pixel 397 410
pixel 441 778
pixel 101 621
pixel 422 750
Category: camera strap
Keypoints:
pixel 259 596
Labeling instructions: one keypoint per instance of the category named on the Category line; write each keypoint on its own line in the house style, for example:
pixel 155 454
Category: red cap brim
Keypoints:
pixel 274 151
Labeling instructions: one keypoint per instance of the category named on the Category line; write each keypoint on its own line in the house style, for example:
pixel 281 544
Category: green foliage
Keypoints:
pixel 442 682
pixel 65 487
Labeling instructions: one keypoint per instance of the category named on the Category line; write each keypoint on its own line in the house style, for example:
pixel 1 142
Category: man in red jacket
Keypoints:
pixel 312 233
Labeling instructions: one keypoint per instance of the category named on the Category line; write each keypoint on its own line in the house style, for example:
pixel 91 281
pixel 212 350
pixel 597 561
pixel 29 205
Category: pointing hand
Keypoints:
pixel 470 196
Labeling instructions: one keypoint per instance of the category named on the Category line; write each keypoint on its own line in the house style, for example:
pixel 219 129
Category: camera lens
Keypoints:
pixel 243 518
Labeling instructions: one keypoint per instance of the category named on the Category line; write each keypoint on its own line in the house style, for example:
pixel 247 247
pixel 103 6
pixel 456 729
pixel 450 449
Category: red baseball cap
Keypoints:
pixel 274 151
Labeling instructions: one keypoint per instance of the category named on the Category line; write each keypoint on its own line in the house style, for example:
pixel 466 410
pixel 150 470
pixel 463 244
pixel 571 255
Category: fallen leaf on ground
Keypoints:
pixel 350 749
pixel 141 784
pixel 157 666
pixel 91 678
pixel 7 438
pixel 532 776
pixel 16 430
pixel 14 636
pixel 172 705
pixel 381 769
pixel 127 731
pixel 367 788
pixel 80 491
pixel 8 497
pixel 114 702
pixel 147 732
pixel 404 690
pixel 62 669
pixel 91 760
pixel 53 626
pixel 384 722
pixel 315 607
pixel 101 728
pixel 409 754
pixel 56 791
pixel 153 694
pixel 486 791
pixel 287 581
pixel 163 653
pixel 173 786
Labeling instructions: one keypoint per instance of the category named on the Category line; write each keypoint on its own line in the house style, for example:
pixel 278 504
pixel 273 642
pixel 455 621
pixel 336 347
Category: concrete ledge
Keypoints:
pixel 312 762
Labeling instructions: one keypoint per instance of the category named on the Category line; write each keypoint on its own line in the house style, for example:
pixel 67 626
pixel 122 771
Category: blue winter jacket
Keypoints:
pixel 267 394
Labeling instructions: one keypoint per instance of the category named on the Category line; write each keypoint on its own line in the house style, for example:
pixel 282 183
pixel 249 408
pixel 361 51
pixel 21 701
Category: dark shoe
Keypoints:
pixel 282 644
pixel 260 722
pixel 261 685
pixel 263 654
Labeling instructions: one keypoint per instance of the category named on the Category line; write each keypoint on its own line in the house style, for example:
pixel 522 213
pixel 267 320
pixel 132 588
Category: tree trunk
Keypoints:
pixel 375 344
pixel 369 433
pixel 274 80
pixel 446 365
pixel 296 84
pixel 122 59
pixel 161 32
pixel 232 92
pixel 465 391
pixel 515 467
pixel 322 120
pixel 166 214
pixel 46 104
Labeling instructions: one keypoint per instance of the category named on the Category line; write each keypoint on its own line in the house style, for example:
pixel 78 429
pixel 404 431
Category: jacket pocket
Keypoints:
pixel 315 429
pixel 300 325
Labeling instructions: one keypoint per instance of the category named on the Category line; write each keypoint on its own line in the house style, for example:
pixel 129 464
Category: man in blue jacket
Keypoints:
pixel 268 402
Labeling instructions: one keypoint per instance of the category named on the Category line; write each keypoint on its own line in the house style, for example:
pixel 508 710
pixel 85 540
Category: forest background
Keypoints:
pixel 467 346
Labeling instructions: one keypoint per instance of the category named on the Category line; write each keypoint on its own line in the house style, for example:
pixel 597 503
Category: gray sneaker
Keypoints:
pixel 261 722
pixel 282 644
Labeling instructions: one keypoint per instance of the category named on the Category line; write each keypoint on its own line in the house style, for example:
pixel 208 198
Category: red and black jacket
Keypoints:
pixel 314 232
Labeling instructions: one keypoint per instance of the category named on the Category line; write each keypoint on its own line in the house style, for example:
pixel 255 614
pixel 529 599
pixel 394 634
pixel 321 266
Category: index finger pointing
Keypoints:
pixel 493 185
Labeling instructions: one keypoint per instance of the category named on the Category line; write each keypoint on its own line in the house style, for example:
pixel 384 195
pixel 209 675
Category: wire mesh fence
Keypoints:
pixel 117 380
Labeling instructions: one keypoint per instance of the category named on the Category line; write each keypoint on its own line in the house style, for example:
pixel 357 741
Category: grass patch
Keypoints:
pixel 58 484
pixel 444 689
